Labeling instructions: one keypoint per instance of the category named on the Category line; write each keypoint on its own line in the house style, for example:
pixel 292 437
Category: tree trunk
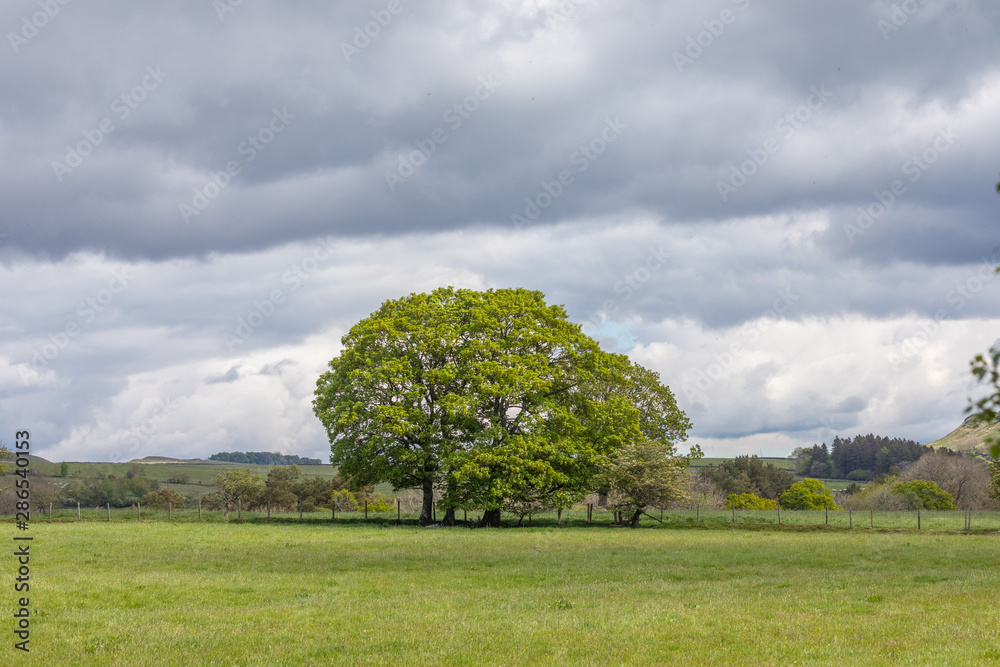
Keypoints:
pixel 449 518
pixel 427 508
pixel 491 519
pixel 635 518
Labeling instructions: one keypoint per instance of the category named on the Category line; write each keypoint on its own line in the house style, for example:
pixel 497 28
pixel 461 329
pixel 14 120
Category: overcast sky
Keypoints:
pixel 786 208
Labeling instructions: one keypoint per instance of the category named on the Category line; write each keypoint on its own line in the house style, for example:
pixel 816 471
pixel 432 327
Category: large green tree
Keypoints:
pixel 494 397
pixel 394 397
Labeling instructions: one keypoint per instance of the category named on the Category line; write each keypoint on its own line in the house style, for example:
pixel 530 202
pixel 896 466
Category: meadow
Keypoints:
pixel 356 592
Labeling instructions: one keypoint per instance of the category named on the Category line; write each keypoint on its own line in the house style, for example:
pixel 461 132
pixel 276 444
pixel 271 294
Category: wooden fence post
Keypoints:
pixel 50 511
pixel 170 509
pixel 399 511
pixel 138 511
pixel 199 509
pixel 268 509
pixel 734 513
pixel 779 514
pixel 333 509
pixel 366 509
pixel 871 517
pixel 109 511
pixel 239 508
pixel 850 520
pixel 827 515
pixel 78 511
pixel 300 509
pixel 697 513
pixel 918 519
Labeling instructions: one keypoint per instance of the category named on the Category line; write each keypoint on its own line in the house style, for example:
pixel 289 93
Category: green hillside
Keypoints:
pixel 969 437
pixel 189 477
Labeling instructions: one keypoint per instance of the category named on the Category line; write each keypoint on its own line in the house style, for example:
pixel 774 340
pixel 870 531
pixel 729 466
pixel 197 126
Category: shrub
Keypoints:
pixel 809 494
pixel 159 499
pixel 749 501
pixel 344 501
pixel 861 475
pixel 924 495
pixel 877 496
pixel 379 502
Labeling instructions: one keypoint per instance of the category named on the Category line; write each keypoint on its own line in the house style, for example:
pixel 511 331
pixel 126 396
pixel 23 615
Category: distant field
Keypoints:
pixel 783 463
pixel 257 594
pixel 200 476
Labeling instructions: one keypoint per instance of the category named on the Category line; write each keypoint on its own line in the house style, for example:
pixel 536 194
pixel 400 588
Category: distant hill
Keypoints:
pixel 969 437
pixel 168 459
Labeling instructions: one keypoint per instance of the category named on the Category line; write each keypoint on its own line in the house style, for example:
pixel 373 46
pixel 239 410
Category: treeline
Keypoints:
pixel 264 459
pixel 861 459
pixel 285 489
pixel 100 490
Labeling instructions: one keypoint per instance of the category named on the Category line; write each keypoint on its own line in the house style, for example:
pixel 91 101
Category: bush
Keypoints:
pixel 344 501
pixel 213 501
pixel 159 499
pixel 379 502
pixel 861 475
pixel 809 494
pixel 749 501
pixel 924 495
pixel 877 496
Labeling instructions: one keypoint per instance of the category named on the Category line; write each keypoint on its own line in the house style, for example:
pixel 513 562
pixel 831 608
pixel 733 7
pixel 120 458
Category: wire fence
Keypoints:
pixel 929 520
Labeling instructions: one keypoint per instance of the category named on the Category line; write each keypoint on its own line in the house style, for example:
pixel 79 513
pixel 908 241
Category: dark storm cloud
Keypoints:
pixel 558 78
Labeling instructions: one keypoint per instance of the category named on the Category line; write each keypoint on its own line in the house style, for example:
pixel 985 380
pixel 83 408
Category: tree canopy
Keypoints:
pixel 749 474
pixel 494 397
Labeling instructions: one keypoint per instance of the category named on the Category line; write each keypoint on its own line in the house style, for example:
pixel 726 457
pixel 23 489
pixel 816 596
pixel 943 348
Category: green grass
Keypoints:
pixel 353 593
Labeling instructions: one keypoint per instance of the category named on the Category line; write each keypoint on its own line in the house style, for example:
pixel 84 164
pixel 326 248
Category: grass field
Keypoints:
pixel 353 593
